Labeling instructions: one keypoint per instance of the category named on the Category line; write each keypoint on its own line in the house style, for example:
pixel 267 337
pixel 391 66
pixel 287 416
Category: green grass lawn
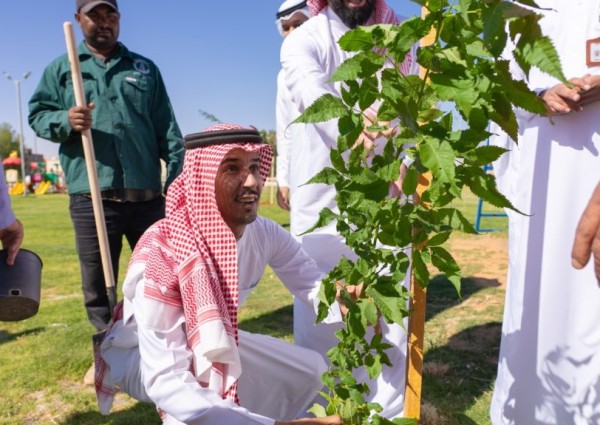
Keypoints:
pixel 43 359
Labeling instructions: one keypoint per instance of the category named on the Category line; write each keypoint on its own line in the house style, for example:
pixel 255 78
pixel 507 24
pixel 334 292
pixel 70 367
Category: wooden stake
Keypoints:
pixel 416 321
pixel 90 163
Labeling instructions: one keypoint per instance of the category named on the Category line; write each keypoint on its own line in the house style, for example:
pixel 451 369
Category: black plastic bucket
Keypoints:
pixel 20 286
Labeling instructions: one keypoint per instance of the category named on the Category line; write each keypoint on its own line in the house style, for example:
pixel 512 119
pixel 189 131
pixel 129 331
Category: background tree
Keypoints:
pixel 8 140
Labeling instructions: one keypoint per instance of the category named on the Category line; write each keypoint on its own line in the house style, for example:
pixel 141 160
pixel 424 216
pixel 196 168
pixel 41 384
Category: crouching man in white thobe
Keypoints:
pixel 175 340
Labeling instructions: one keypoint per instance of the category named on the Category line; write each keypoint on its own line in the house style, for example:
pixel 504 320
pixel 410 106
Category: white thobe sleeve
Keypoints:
pixel 298 272
pixel 165 364
pixel 307 79
pixel 283 118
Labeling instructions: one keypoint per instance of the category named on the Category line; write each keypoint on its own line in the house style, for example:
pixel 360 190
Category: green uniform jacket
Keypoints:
pixel 133 125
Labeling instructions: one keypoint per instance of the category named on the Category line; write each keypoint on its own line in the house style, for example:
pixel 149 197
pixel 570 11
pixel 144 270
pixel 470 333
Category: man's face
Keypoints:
pixel 289 25
pixel 238 186
pixel 353 12
pixel 100 26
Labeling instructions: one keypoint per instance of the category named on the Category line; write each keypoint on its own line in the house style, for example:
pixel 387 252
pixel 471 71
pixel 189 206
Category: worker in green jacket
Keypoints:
pixel 133 127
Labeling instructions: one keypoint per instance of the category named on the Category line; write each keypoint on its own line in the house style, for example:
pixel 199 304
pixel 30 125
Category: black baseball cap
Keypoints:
pixel 84 6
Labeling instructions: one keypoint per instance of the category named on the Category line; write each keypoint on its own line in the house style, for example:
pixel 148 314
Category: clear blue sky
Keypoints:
pixel 218 56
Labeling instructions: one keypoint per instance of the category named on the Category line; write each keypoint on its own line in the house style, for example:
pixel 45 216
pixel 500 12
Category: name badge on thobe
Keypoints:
pixel 592 56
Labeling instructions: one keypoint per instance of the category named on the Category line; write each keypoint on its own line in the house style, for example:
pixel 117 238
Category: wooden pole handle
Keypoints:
pixel 90 163
pixel 416 321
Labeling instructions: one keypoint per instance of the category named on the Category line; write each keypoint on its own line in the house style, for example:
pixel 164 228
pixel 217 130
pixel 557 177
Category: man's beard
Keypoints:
pixel 352 17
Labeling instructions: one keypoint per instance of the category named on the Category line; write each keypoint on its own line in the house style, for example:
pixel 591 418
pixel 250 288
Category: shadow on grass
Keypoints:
pixel 139 414
pixel 277 323
pixel 8 337
pixel 466 365
pixel 465 368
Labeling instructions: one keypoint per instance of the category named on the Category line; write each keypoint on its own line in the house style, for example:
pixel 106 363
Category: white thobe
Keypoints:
pixel 309 57
pixel 285 113
pixel 278 380
pixel 7 217
pixel 549 366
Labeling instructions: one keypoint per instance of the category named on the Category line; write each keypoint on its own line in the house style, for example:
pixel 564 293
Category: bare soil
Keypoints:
pixel 483 257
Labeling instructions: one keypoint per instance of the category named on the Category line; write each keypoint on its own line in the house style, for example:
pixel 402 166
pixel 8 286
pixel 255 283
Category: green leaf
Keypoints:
pixel 318 410
pixel 456 219
pixel 406 35
pixel 484 186
pixel 445 263
pixel 438 157
pixel 374 366
pixel 357 40
pixel 484 155
pixel 337 161
pixel 350 127
pixel 387 172
pixel 350 92
pixel 325 108
pixel 389 301
pixel 452 55
pixel 361 65
pixel 459 90
pixel 544 56
pixel 368 310
pixel 326 216
pixel 325 176
pixel 355 322
pixel 369 92
pixel 493 28
pixel 411 181
pixel 419 268
pixel 438 239
pixel 517 91
pixel 434 5
pixel 533 49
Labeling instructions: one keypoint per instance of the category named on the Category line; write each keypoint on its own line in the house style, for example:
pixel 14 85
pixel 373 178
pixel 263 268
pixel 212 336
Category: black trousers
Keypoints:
pixel 129 219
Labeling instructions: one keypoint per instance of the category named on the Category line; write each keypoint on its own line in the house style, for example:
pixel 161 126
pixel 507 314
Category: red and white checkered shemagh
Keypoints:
pixel 191 262
pixel 382 14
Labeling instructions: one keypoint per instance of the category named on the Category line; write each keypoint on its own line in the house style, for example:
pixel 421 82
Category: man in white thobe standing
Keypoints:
pixel 549 365
pixel 309 56
pixel 291 14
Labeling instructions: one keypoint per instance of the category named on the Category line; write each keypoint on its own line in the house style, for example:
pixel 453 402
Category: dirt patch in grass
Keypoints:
pixel 483 258
pixel 431 416
pixel 49 409
pixel 477 339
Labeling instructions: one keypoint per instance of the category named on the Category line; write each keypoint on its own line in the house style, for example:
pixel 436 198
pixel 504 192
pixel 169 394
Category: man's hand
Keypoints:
pixel 587 236
pixel 590 91
pixel 562 99
pixel 354 292
pixel 12 237
pixel 80 117
pixel 327 420
pixel 367 138
pixel 283 198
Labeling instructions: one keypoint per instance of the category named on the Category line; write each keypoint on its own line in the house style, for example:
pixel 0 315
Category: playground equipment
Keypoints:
pixel 481 213
pixel 17 189
pixel 43 187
